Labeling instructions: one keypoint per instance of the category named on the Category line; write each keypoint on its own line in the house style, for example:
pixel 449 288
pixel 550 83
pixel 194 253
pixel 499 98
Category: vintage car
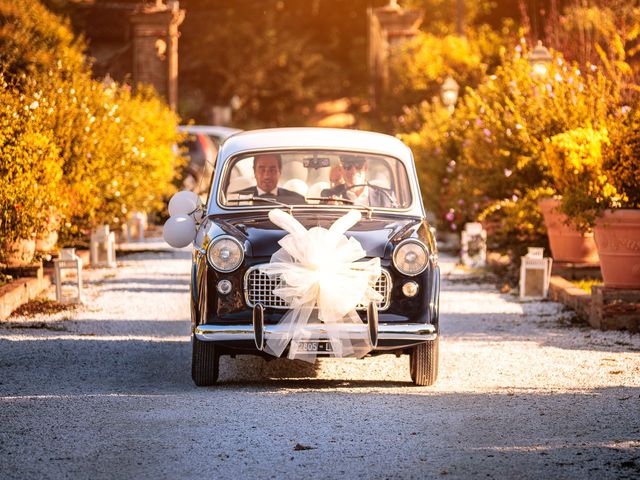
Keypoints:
pixel 233 306
pixel 200 147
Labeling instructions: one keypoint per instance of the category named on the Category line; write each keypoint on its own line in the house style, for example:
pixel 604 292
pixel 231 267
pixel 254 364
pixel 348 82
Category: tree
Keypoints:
pixel 280 58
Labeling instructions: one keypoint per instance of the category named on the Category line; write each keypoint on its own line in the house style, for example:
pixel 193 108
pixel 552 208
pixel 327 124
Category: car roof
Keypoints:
pixel 315 138
pixel 215 130
pixel 303 138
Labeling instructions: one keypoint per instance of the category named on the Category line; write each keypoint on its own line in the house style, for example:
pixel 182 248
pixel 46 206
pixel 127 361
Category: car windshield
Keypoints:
pixel 315 177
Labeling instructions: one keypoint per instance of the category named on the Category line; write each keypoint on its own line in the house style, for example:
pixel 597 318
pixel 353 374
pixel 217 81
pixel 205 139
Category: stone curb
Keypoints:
pixel 603 308
pixel 23 290
pixel 563 291
pixel 20 291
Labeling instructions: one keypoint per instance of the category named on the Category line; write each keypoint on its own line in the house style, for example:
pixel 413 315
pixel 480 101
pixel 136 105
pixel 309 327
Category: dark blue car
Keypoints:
pixel 316 175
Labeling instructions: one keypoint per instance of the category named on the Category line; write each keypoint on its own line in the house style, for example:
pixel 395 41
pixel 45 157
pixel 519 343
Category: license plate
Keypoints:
pixel 314 346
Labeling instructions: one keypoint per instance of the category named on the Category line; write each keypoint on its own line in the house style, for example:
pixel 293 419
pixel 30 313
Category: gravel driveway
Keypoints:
pixel 105 392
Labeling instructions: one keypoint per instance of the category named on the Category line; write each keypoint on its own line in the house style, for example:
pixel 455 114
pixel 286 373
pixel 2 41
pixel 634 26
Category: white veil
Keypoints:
pixel 322 280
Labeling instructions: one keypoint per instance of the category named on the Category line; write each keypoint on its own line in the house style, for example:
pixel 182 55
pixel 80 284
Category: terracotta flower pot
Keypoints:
pixel 568 244
pixel 47 241
pixel 19 252
pixel 617 234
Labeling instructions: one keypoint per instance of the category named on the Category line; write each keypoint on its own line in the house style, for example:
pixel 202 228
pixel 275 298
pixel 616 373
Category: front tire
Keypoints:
pixel 205 363
pixel 423 363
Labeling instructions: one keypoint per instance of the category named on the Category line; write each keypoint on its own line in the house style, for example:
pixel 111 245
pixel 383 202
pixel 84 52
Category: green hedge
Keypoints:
pixel 77 149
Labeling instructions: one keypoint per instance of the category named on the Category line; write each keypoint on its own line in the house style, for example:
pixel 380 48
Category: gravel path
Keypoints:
pixel 105 392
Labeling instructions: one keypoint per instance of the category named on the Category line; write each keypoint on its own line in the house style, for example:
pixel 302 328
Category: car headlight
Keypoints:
pixel 225 253
pixel 411 257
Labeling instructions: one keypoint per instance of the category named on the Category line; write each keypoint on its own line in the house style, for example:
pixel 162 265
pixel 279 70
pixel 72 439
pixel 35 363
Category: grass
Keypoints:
pixel 586 283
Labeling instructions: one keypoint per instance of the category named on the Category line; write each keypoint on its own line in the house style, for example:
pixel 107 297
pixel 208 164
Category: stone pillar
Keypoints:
pixel 389 27
pixel 155 47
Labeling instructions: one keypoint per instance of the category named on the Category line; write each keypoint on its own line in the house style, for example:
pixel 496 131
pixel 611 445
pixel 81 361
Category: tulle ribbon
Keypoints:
pixel 321 278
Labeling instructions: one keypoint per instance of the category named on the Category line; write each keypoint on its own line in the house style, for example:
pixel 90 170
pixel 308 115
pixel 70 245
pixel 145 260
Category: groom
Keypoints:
pixel 267 168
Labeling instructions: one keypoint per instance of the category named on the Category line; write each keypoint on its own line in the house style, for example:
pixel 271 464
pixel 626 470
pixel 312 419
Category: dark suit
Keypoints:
pixel 284 195
pixel 376 197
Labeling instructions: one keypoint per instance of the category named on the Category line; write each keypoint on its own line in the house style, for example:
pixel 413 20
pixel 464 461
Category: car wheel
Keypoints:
pixel 204 363
pixel 423 363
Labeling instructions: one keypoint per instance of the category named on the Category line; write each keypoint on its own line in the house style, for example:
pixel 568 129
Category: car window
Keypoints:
pixel 310 177
pixel 198 170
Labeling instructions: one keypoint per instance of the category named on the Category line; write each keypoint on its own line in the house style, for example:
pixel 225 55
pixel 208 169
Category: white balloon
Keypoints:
pixel 183 203
pixel 179 231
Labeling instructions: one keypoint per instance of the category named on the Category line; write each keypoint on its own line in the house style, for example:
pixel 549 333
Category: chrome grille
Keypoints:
pixel 258 288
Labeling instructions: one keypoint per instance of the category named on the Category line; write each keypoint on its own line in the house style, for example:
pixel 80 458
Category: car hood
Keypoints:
pixel 374 234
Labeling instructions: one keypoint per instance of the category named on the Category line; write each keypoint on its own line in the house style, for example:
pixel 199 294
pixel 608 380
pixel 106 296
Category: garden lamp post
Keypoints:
pixel 235 103
pixel 540 59
pixel 449 93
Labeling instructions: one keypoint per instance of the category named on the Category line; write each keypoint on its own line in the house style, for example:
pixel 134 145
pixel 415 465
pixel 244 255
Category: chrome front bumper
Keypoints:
pixel 390 336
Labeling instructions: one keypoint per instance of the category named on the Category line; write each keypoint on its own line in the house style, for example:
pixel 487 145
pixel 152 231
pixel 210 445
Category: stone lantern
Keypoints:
pixel 535 272
pixel 540 59
pixel 135 227
pixel 68 260
pixel 449 93
pixel 474 245
pixel 103 247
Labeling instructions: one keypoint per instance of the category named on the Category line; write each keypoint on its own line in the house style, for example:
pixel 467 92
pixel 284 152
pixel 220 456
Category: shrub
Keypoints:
pixel 515 223
pixel 33 40
pixel 622 157
pixel 576 162
pixel 426 60
pixel 30 166
pixel 502 127
pixel 135 149
pixel 498 141
pixel 426 126
pixel 433 148
pixel 89 151
pixel 118 152
pixel 594 171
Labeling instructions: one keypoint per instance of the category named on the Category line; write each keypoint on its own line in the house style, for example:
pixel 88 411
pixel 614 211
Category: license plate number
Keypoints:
pixel 310 346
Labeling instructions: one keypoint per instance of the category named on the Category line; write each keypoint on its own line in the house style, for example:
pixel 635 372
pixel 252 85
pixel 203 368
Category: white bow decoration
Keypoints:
pixel 322 280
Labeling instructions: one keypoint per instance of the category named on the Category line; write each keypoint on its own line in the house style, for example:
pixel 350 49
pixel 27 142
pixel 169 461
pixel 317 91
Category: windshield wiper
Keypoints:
pixel 331 199
pixel 344 200
pixel 251 198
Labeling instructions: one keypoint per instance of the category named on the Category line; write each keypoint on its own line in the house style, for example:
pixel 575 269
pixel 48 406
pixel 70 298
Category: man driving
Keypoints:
pixel 355 186
pixel 267 168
